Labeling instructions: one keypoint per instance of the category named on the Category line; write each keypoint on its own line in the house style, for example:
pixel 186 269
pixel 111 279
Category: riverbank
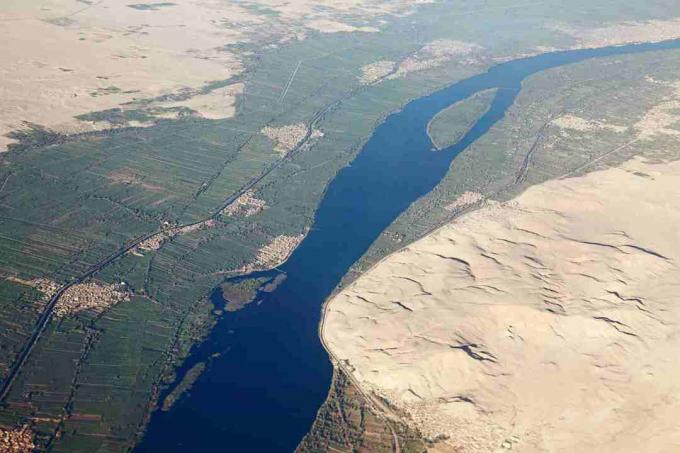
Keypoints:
pixel 283 387
pixel 544 295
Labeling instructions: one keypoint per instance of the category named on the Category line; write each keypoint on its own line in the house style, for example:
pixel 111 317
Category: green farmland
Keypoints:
pixel 69 202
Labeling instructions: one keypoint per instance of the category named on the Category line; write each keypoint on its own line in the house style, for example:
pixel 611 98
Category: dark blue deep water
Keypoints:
pixel 262 394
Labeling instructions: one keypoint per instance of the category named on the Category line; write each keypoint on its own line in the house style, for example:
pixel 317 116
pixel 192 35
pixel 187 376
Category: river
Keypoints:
pixel 262 394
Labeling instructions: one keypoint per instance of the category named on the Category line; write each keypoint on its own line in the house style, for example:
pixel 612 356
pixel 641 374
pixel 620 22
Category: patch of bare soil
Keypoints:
pixel 217 104
pixel 128 176
pixel 332 26
pixel 46 286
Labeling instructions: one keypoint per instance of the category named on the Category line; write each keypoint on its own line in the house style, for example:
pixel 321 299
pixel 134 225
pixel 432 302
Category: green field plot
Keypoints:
pixel 19 309
pixel 116 377
pixel 347 422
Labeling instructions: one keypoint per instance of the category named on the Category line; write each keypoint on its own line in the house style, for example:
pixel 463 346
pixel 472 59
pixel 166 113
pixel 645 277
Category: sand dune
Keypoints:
pixel 549 323
pixel 100 55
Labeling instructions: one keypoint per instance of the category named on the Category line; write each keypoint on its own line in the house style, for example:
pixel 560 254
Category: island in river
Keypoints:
pixel 128 196
pixel 277 337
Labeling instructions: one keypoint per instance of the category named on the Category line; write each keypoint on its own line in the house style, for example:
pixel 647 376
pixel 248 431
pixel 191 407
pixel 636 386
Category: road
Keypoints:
pixel 47 313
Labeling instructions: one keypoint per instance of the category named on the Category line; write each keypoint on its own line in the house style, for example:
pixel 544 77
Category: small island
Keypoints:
pixel 452 123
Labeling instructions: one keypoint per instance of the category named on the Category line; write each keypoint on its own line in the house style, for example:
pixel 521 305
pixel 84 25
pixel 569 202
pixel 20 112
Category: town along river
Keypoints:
pixel 262 394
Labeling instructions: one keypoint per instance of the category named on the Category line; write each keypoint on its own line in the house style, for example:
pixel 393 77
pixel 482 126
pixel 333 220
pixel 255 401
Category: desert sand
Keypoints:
pixel 100 54
pixel 622 33
pixel 548 323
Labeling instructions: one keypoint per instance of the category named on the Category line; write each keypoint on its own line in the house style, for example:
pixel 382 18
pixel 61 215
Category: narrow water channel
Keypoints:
pixel 262 394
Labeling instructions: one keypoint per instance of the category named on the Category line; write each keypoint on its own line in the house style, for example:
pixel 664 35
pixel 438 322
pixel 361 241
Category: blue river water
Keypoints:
pixel 262 394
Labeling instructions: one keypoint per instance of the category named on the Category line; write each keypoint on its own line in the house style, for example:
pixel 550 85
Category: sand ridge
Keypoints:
pixel 548 323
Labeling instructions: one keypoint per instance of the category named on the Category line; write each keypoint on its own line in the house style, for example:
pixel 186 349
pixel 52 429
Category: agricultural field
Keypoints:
pixel 348 422
pixel 92 377
pixel 180 197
